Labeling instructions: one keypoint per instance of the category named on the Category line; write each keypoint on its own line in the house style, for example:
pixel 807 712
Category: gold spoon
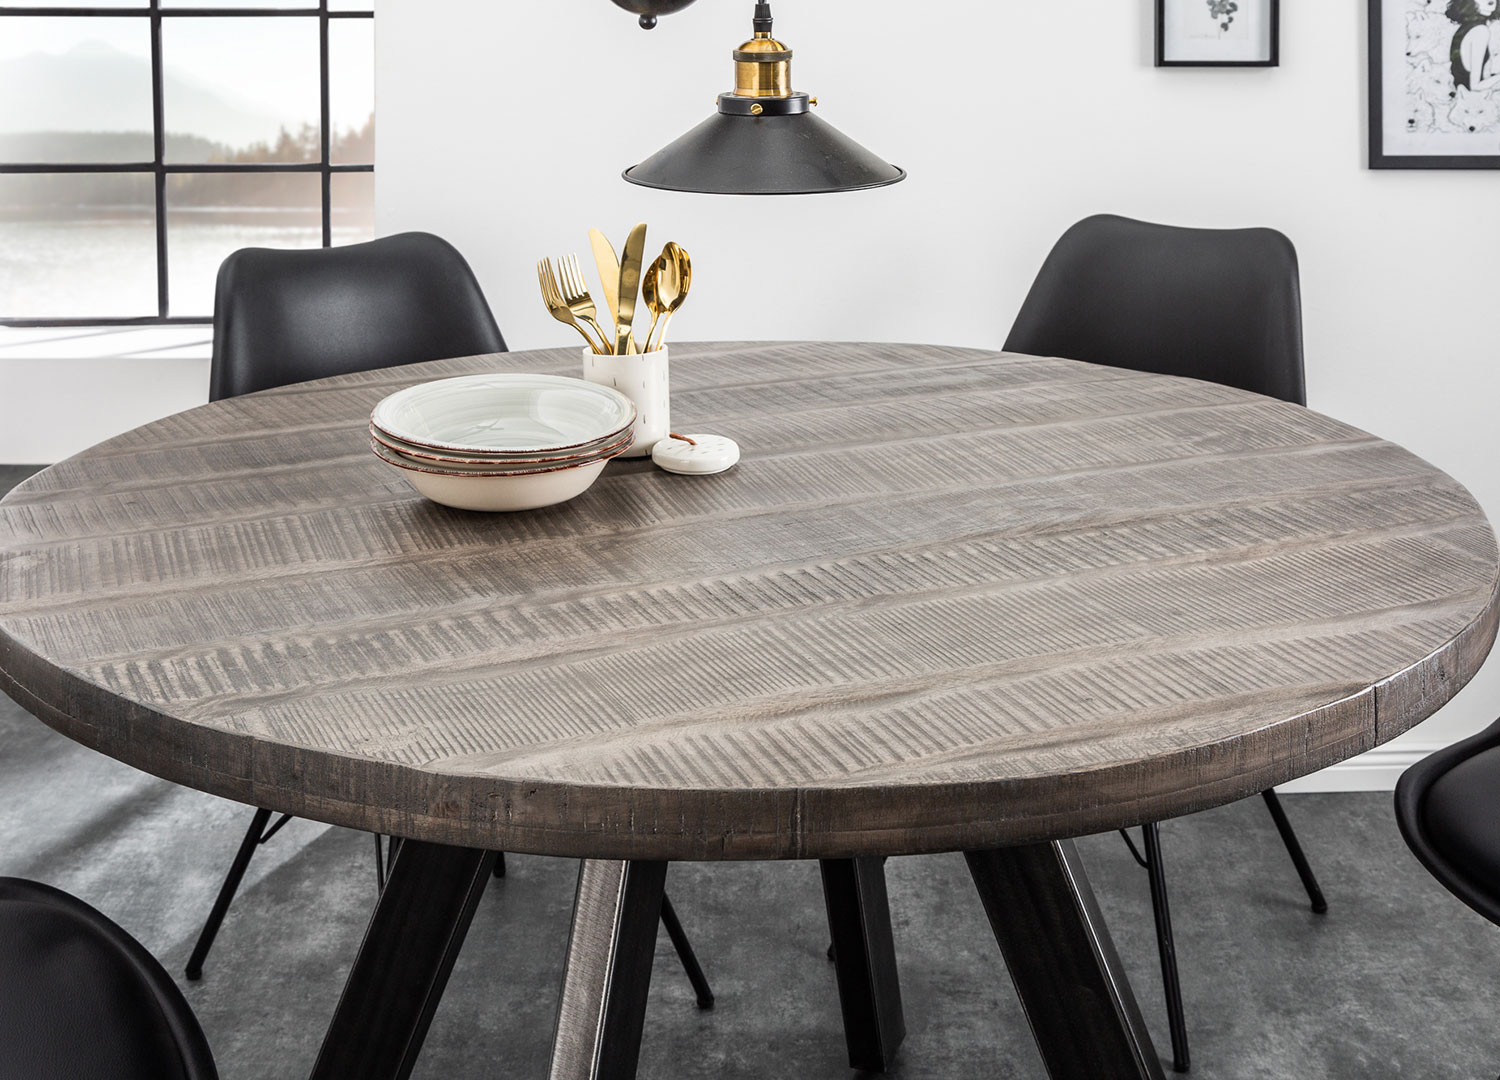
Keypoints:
pixel 672 287
pixel 651 292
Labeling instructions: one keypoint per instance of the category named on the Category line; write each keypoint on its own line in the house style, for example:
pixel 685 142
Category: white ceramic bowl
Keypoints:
pixel 504 491
pixel 466 461
pixel 505 414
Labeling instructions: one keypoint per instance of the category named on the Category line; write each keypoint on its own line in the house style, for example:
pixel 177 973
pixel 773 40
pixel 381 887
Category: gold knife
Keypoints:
pixel 609 271
pixel 630 283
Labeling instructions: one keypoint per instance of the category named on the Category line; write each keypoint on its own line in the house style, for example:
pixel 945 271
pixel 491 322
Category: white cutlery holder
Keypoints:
pixel 645 379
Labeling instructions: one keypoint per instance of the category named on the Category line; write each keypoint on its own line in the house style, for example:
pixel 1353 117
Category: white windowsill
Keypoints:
pixel 98 342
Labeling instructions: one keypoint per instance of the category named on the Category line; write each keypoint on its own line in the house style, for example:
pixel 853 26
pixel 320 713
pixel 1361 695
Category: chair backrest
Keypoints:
pixel 1217 304
pixel 79 997
pixel 288 316
pixel 1466 777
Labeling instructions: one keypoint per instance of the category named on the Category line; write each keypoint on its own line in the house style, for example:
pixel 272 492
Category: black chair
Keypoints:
pixel 289 316
pixel 1448 808
pixel 1222 305
pixel 80 999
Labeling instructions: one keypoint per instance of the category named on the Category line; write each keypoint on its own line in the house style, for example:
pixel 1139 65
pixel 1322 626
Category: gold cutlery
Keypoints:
pixel 674 277
pixel 650 292
pixel 662 285
pixel 559 308
pixel 575 293
pixel 609 271
pixel 630 282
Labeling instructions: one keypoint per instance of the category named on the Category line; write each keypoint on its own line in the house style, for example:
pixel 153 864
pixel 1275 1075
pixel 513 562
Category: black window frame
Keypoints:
pixel 160 169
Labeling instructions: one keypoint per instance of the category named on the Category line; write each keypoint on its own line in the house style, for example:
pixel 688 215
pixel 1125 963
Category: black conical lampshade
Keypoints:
pixel 764 140
pixel 797 154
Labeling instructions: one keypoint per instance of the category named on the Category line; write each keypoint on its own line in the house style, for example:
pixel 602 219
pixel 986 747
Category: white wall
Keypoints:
pixel 504 127
pixel 62 389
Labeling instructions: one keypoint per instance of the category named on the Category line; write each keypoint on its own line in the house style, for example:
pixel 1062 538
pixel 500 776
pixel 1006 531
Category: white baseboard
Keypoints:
pixel 1374 770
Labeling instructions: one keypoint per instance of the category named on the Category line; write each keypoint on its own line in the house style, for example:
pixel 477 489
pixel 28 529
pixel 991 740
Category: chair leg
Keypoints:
pixel 1166 947
pixel 685 953
pixel 500 864
pixel 254 836
pixel 1294 849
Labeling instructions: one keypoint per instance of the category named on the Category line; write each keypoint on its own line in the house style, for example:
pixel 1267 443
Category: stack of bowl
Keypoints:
pixel 501 441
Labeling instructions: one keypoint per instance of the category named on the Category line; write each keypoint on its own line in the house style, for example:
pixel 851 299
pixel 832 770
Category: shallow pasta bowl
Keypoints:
pixel 500 489
pixel 505 466
pixel 461 459
pixel 505 415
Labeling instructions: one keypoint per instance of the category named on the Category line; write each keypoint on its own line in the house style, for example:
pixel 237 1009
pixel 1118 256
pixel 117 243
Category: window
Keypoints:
pixel 141 141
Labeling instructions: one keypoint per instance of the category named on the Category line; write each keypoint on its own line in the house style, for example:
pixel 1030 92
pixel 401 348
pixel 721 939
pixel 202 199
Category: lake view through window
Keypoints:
pixel 142 143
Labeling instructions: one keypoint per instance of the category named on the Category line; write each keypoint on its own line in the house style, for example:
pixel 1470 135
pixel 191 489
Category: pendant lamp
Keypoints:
pixel 764 139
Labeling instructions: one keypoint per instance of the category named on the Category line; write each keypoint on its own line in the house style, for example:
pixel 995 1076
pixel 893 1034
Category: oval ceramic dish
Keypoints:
pixel 528 489
pixel 504 414
pixel 458 459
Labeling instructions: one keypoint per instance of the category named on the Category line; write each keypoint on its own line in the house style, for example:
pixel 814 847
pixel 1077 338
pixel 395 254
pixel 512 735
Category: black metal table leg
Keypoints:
pixel 1077 1000
pixel 602 1009
pixel 864 955
pixel 404 962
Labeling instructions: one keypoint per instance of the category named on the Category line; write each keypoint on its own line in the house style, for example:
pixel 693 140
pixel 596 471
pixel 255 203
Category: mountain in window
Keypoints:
pixel 96 87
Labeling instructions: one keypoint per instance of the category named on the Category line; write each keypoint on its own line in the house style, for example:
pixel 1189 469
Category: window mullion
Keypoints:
pixel 327 158
pixel 159 141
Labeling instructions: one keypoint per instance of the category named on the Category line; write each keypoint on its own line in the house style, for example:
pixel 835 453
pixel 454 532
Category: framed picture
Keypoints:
pixel 1218 33
pixel 1435 84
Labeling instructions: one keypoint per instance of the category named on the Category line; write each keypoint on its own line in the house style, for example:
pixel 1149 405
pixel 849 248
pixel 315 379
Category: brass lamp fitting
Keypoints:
pixel 763 65
pixel 762 68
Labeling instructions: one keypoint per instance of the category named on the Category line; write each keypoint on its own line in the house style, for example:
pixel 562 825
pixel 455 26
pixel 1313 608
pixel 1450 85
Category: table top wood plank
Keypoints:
pixel 950 598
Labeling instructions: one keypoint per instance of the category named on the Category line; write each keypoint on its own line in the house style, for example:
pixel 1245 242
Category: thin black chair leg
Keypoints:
pixel 404 961
pixel 602 1010
pixel 864 957
pixel 1294 849
pixel 1166 946
pixel 499 864
pixel 1069 979
pixel 194 970
pixel 379 861
pixel 685 953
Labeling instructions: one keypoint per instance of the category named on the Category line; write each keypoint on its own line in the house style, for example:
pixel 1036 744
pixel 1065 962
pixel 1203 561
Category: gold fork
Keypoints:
pixel 560 309
pixel 575 293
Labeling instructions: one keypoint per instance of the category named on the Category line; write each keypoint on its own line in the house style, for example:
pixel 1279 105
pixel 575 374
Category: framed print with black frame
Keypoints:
pixel 1435 84
pixel 1218 33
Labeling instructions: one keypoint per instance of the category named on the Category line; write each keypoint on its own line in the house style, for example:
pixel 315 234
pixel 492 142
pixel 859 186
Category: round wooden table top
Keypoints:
pixel 949 599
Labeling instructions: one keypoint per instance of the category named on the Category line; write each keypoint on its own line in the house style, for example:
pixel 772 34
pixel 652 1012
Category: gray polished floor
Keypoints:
pixel 1397 980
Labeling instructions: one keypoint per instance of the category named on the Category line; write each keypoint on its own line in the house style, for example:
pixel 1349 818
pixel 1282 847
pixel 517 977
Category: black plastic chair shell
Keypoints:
pixel 80 999
pixel 289 316
pixel 1222 305
pixel 1448 808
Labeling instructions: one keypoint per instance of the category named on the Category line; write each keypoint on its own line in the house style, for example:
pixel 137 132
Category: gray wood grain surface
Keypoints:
pixel 949 599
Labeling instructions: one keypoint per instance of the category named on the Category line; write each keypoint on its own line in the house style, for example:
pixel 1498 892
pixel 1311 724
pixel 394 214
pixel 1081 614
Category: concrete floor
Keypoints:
pixel 1397 980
